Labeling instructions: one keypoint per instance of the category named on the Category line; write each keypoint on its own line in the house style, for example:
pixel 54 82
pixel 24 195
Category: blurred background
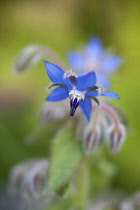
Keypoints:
pixel 63 26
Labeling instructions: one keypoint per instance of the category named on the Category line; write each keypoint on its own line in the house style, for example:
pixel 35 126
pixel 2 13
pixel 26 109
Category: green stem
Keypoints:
pixel 83 184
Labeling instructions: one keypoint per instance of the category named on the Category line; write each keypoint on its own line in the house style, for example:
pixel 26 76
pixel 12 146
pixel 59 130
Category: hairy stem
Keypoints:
pixel 52 56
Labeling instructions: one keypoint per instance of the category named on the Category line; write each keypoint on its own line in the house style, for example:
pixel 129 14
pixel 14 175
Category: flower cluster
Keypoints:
pixel 101 120
pixel 107 121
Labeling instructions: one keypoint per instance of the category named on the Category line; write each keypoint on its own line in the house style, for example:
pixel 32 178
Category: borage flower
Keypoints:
pixel 95 57
pixel 79 89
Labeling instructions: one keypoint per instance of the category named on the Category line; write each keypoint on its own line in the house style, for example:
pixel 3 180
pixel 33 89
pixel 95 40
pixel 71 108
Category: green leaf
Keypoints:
pixel 65 157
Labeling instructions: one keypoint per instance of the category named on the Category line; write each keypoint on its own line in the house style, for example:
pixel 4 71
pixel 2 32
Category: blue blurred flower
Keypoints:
pixel 80 89
pixel 95 57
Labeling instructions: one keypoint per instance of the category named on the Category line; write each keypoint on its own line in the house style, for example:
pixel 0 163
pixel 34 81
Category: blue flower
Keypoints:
pixel 95 57
pixel 79 89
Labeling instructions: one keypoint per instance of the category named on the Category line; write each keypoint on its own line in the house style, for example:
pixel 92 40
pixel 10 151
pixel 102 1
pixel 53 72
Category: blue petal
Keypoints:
pixel 110 94
pixel 110 63
pixel 68 82
pixel 76 60
pixel 86 81
pixel 94 47
pixel 86 107
pixel 93 93
pixel 58 94
pixel 103 80
pixel 54 72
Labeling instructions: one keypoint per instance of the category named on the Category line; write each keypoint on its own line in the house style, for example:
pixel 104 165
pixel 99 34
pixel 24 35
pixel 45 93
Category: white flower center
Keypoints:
pixel 76 94
pixel 70 74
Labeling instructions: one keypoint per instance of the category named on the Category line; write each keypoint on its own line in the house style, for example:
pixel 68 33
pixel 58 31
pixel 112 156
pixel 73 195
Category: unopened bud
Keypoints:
pixel 116 137
pixel 17 173
pixel 54 111
pixel 126 206
pixel 92 138
pixel 136 200
pixel 29 56
pixel 35 180
pixel 29 179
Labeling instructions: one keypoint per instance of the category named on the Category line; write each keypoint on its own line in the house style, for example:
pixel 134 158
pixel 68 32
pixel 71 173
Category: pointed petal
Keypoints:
pixel 94 47
pixel 68 82
pixel 110 94
pixel 76 60
pixel 92 92
pixel 86 107
pixel 54 72
pixel 58 94
pixel 86 81
pixel 110 63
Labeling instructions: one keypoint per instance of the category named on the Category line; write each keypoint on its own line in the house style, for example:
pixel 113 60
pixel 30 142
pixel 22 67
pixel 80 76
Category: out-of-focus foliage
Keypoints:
pixel 66 156
pixel 64 25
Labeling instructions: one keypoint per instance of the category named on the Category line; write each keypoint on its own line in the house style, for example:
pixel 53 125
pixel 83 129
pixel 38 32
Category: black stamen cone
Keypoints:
pixel 74 106
pixel 72 111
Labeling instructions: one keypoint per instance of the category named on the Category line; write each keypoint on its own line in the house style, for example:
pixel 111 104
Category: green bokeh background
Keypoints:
pixel 64 25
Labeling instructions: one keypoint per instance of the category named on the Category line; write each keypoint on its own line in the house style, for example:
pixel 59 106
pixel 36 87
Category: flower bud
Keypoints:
pixel 136 200
pixel 34 182
pixel 132 203
pixel 92 137
pixel 29 179
pixel 29 56
pixel 53 111
pixel 17 173
pixel 126 206
pixel 116 137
